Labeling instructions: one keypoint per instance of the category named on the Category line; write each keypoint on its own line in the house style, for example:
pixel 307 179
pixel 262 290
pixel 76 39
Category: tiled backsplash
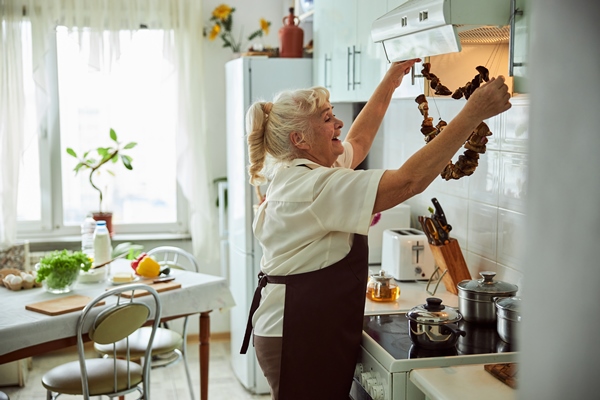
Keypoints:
pixel 487 209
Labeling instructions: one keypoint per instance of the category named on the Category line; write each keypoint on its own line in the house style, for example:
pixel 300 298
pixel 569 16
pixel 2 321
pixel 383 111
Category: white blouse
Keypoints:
pixel 307 223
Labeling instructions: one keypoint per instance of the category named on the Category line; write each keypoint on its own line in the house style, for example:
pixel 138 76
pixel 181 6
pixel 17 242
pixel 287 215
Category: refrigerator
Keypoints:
pixel 249 79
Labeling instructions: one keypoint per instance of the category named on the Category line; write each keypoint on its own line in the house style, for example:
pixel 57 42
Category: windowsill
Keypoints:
pixel 74 242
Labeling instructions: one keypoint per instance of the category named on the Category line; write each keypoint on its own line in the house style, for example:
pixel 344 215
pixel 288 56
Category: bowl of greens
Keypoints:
pixel 58 271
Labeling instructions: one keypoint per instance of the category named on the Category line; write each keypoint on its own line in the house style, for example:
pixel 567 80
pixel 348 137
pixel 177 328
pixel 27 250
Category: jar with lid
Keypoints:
pixel 382 287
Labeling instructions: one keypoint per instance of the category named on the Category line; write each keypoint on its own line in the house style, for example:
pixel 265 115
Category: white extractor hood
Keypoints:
pixel 422 28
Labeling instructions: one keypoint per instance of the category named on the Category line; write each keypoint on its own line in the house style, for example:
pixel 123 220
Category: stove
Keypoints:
pixel 387 356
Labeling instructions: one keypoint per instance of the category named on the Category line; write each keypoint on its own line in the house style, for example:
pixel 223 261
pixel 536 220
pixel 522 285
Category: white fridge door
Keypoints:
pixel 242 287
pixel 248 80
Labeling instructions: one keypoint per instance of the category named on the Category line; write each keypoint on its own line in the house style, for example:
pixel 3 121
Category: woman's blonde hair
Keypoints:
pixel 269 125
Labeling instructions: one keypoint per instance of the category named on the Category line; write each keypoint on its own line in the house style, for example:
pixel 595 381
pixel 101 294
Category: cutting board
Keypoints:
pixel 450 260
pixel 60 306
pixel 505 373
pixel 159 287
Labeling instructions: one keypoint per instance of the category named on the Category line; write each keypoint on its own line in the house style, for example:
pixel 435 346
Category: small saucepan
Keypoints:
pixel 476 298
pixel 433 326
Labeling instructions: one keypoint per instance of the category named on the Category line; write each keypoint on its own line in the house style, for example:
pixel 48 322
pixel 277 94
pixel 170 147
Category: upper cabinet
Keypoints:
pixel 346 61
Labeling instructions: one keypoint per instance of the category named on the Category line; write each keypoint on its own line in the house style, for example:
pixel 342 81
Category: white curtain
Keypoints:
pixel 12 109
pixel 183 17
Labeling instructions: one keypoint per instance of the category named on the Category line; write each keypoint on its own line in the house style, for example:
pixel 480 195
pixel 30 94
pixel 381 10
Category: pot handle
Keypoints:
pixel 456 331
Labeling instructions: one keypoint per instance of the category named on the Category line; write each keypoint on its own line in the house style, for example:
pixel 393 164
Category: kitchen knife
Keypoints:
pixel 440 217
pixel 428 235
pixel 442 235
pixel 431 231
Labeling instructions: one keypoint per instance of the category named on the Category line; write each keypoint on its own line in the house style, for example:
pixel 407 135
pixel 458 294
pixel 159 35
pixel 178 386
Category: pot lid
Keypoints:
pixel 509 303
pixel 382 277
pixel 434 313
pixel 487 285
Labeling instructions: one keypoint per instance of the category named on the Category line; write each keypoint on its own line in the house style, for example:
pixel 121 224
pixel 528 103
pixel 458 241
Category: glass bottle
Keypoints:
pixel 102 245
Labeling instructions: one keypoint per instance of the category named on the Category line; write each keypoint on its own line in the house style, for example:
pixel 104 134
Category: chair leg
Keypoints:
pixel 187 374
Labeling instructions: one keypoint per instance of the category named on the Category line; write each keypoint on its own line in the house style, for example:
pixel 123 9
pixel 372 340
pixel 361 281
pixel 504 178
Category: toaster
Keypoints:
pixel 406 255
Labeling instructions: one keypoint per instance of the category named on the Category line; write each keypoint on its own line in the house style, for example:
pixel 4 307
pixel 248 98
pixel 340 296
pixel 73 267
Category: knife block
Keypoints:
pixel 451 263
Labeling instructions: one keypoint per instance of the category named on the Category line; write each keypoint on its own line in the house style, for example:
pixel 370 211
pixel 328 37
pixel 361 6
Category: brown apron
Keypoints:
pixel 322 326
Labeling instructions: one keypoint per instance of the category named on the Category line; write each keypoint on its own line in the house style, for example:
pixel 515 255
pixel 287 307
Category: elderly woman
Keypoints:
pixel 312 225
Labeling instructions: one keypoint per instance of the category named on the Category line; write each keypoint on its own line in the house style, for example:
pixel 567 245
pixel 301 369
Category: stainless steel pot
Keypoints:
pixel 433 326
pixel 480 338
pixel 508 311
pixel 476 297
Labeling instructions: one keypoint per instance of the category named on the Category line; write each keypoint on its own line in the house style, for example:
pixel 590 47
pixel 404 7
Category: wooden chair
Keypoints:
pixel 170 345
pixel 116 376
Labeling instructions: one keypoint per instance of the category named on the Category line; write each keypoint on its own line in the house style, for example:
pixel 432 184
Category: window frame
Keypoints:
pixel 51 226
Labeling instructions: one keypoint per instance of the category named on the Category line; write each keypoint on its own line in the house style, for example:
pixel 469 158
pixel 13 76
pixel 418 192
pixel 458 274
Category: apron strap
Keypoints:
pixel 262 282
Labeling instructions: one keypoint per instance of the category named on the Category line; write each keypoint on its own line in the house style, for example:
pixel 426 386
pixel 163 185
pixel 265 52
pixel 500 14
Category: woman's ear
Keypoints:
pixel 298 141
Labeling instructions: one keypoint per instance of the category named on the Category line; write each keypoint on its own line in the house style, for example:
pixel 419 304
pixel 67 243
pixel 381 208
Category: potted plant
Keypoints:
pixel 89 162
pixel 59 270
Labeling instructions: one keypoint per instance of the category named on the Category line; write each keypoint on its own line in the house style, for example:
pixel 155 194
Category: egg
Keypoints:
pixel 15 280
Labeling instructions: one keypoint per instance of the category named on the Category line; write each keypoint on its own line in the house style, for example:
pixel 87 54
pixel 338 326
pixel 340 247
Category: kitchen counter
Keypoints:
pixel 411 294
pixel 465 382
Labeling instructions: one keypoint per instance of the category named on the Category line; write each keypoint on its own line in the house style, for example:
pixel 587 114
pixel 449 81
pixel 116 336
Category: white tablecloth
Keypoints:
pixel 21 328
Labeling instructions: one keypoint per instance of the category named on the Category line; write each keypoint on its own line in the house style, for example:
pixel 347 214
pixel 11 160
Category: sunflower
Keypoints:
pixel 222 11
pixel 214 32
pixel 222 24
pixel 264 25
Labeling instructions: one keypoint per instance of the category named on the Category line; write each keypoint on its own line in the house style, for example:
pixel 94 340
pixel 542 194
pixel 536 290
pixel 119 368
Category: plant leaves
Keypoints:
pixel 71 152
pixel 113 134
pixel 255 34
pixel 130 145
pixel 126 161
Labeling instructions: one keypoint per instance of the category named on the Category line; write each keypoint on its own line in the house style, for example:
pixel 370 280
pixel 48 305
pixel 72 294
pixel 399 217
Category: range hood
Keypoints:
pixel 422 28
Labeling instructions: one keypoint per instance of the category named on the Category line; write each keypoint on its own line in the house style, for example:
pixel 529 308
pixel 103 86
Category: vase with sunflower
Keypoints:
pixel 222 19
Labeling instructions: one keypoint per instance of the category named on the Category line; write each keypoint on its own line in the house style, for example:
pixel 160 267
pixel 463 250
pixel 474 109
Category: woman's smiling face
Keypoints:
pixel 324 145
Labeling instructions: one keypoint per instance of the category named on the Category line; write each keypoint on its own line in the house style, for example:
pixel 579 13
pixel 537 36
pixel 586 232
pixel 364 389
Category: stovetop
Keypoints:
pixel 390 332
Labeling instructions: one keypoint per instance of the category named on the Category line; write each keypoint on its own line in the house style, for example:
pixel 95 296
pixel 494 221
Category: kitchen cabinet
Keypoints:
pixel 465 382
pixel 323 37
pixel 346 61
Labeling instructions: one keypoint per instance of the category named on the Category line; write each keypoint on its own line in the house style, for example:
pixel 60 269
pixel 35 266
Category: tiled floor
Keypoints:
pixel 167 383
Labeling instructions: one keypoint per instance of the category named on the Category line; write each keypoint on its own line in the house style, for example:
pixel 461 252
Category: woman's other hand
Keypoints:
pixel 397 70
pixel 489 100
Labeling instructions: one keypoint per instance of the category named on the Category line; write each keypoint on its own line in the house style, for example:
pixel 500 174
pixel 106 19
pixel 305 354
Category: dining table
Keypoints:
pixel 25 332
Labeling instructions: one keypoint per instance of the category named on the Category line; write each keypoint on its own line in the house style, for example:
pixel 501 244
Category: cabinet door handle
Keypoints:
pixel 354 74
pixel 348 68
pixel 327 60
pixel 514 11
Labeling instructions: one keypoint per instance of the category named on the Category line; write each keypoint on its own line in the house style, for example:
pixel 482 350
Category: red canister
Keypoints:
pixel 291 37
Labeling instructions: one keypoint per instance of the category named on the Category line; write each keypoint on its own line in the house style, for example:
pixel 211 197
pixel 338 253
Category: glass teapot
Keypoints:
pixel 382 287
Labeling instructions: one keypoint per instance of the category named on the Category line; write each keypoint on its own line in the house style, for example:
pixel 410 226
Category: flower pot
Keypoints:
pixel 105 216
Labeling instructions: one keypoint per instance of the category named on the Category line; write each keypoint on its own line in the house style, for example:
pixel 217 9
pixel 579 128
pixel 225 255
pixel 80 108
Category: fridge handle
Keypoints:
pixel 222 196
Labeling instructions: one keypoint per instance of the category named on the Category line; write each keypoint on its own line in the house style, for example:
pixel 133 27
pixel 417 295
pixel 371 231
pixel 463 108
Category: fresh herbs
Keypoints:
pixel 60 268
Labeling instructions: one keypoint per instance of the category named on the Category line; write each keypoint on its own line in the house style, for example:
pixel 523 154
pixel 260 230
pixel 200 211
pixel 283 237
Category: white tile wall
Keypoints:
pixel 486 210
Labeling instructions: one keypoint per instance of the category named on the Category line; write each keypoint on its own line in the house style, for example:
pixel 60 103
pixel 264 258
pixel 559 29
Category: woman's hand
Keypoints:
pixel 397 71
pixel 488 100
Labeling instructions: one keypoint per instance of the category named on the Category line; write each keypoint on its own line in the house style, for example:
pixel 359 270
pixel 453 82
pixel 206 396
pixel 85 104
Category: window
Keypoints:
pixel 136 96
